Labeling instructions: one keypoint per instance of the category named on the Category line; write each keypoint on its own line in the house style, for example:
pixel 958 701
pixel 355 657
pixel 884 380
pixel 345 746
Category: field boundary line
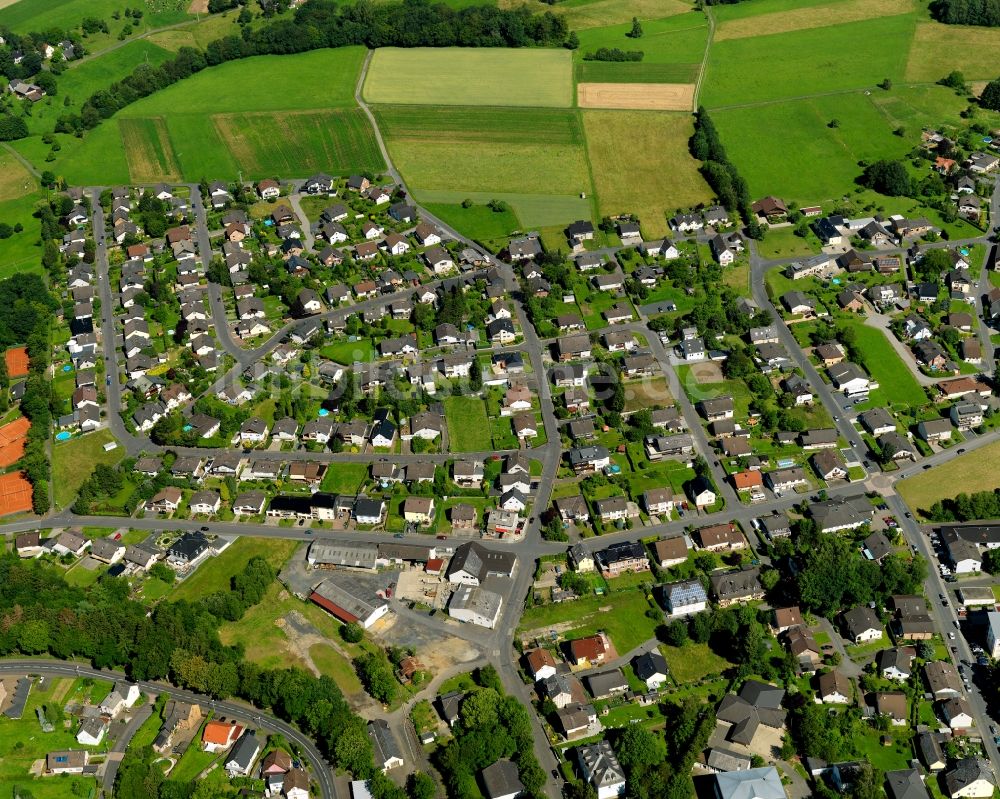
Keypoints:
pixel 24 161
pixel 703 68
pixel 118 45
pixel 363 105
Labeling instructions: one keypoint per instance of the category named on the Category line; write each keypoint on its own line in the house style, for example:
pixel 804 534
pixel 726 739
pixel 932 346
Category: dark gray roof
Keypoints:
pixel 501 779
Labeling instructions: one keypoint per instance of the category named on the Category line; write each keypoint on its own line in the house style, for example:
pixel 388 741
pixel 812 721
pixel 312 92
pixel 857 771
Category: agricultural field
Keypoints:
pixel 15 180
pixel 651 177
pixel 526 210
pixel 39 15
pixel 494 152
pixel 83 78
pixel 938 49
pixel 151 157
pixel 305 124
pixel 311 80
pixel 673 49
pixel 812 62
pixel 795 17
pixel 583 14
pixel 338 141
pixel 809 161
pixel 461 76
pixel 636 96
pixel 968 473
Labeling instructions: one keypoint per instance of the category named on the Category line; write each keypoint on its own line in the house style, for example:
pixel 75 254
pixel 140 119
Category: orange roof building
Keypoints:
pixel 747 480
pixel 590 650
pixel 219 735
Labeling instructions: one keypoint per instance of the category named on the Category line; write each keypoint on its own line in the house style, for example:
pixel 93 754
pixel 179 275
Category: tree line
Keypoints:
pixel 967 507
pixel 613 54
pixel 720 173
pixel 178 641
pixel 967 12
pixel 322 23
pixel 26 311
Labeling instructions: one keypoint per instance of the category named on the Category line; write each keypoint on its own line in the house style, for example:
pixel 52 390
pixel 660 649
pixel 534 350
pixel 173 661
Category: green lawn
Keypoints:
pixel 693 662
pixel 783 243
pixel 529 210
pixel 194 761
pixel 885 365
pixel 477 222
pixel 22 743
pixel 698 391
pixel 470 76
pixel 968 473
pixel 21 253
pixel 622 615
pixel 331 663
pixel 266 643
pixel 468 425
pixel 344 478
pixel 214 575
pixel 73 462
pixel 347 352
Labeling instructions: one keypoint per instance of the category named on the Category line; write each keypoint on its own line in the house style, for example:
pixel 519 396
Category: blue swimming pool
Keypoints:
pixel 64 435
pixel 188 428
pixel 67 368
pixel 323 412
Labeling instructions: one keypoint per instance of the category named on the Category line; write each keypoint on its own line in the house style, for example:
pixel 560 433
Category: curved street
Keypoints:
pixel 245 713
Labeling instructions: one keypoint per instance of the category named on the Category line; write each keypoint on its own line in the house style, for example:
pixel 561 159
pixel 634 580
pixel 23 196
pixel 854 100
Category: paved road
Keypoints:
pixel 496 644
pixel 249 715
pixel 945 620
pixel 222 330
pixel 109 302
pixel 885 484
pixel 114 758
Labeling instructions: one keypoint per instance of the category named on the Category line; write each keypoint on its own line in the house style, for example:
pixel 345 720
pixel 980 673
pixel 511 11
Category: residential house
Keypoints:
pixel 684 597
pixel 742 585
pixel 862 625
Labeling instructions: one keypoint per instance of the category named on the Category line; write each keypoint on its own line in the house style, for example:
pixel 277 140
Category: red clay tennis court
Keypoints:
pixel 15 493
pixel 13 438
pixel 17 362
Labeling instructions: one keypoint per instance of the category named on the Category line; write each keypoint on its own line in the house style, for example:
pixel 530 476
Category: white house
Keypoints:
pixel 601 769
pixel 475 605
pixel 122 696
pixel 92 732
